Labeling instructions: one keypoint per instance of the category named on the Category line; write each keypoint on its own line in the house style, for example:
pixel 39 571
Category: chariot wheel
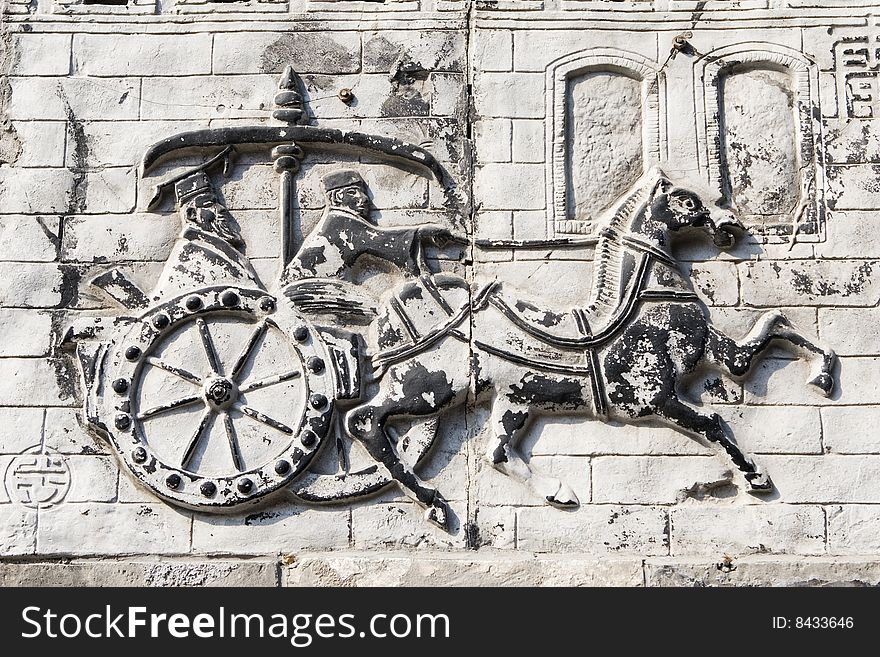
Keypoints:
pixel 217 398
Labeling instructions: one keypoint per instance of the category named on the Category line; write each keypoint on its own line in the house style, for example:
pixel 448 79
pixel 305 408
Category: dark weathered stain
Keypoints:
pixel 536 389
pixel 545 317
pixel 52 237
pixel 312 257
pixel 715 387
pixel 257 518
pixel 511 422
pixel 71 275
pixel 389 334
pixel 308 51
pixel 405 101
pixel 409 292
pixel 416 380
pixel 472 536
pixel 77 194
pixel 803 282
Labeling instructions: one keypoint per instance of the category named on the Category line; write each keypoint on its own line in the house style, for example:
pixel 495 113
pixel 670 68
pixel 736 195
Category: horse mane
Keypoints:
pixel 608 259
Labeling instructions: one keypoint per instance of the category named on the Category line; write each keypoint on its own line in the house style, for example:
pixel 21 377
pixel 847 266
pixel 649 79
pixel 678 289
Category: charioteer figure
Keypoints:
pixel 346 232
pixel 320 276
pixel 210 245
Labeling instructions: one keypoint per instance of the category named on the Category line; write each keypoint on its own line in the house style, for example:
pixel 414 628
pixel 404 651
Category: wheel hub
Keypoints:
pixel 220 393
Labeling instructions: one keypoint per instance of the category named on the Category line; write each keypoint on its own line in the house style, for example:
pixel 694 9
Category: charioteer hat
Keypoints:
pixel 192 186
pixel 340 179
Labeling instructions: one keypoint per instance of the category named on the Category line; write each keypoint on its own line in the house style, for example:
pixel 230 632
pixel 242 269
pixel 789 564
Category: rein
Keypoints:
pixel 587 342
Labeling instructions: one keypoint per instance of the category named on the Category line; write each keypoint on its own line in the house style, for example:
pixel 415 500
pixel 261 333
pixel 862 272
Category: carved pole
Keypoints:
pixel 288 157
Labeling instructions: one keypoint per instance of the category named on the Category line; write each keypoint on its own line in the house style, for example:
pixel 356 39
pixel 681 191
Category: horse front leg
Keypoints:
pixel 737 357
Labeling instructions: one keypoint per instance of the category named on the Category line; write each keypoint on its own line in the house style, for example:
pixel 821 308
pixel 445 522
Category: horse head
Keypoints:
pixel 678 208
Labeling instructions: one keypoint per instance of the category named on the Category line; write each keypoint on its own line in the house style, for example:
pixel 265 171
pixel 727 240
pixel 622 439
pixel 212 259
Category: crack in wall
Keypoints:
pixel 473 536
pixel 76 196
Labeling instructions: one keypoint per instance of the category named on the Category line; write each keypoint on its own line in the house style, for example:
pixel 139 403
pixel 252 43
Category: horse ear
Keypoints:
pixel 656 180
pixel 662 186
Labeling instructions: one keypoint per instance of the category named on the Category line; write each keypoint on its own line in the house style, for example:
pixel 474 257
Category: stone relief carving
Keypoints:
pixel 620 358
pixel 216 390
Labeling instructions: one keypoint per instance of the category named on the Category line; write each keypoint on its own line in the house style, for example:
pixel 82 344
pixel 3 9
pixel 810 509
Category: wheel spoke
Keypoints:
pixel 248 350
pixel 170 406
pixel 177 371
pixel 210 350
pixel 270 381
pixel 196 438
pixel 265 419
pixel 233 442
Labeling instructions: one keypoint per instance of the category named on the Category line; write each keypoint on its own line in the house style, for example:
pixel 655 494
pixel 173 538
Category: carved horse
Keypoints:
pixel 621 358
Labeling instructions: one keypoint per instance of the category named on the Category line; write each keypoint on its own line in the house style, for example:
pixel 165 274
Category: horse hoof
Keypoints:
pixel 438 513
pixel 824 382
pixel 564 498
pixel 759 482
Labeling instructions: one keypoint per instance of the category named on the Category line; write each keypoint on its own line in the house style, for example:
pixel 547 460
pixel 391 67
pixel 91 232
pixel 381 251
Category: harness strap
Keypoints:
pixel 668 295
pixel 584 370
pixel 397 307
pixel 431 287
pixel 597 383
pixel 583 323
pixel 385 359
pixel 644 247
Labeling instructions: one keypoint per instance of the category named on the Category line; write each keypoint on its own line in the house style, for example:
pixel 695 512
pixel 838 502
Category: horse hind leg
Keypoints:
pixel 367 424
pixel 508 423
pixel 711 427
pixel 737 357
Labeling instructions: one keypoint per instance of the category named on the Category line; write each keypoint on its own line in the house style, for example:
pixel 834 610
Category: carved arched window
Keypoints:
pixel 760 136
pixel 603 132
